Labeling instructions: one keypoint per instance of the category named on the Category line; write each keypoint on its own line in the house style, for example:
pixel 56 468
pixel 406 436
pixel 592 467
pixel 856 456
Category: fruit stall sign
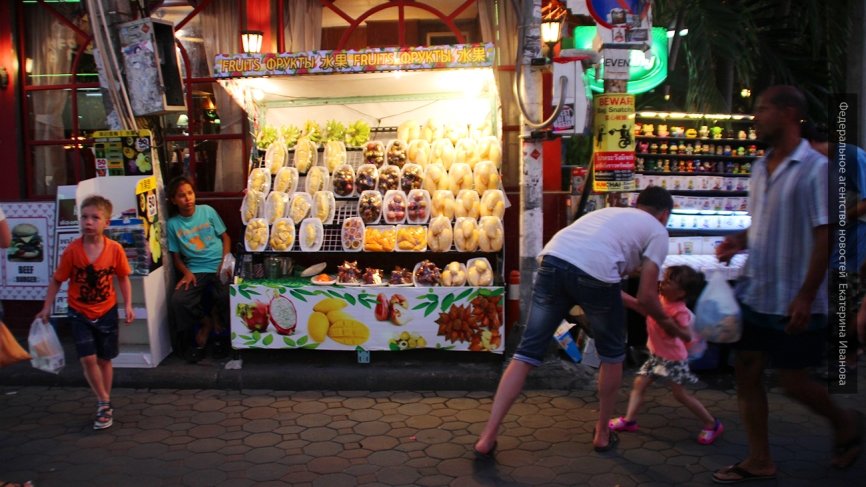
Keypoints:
pixel 368 318
pixel 613 143
pixel 352 61
pixel 122 153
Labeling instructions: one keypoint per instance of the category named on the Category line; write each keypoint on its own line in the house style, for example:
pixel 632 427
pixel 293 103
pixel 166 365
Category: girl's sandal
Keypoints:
pixel 620 424
pixel 707 437
pixel 104 417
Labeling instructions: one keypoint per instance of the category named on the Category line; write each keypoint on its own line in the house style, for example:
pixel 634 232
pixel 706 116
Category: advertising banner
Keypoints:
pixel 122 153
pixel 352 61
pixel 613 143
pixel 367 318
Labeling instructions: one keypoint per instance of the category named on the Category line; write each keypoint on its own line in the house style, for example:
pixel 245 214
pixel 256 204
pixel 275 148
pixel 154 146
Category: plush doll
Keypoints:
pixel 752 134
pixel 717 132
pixel 643 147
pixel 647 129
pixel 704 131
pixel 663 131
pixel 741 135
pixel 691 133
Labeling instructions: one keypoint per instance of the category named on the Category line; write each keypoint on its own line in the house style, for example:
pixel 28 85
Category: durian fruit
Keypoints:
pixel 454 274
pixel 490 236
pixel 492 204
pixel 466 235
pixel 467 204
pixel 440 235
pixel 486 177
pixel 479 272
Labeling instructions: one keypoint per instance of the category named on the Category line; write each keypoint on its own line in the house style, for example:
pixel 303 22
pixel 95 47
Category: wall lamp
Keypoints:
pixel 252 41
pixel 550 34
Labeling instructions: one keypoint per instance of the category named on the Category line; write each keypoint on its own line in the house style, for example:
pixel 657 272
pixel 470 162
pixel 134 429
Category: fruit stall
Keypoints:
pixel 374 206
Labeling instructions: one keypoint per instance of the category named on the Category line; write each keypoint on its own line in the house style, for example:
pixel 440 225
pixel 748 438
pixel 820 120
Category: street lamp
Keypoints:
pixel 252 41
pixel 550 31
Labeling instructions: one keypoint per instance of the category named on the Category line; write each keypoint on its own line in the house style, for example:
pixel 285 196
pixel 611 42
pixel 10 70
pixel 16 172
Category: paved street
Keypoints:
pixel 340 438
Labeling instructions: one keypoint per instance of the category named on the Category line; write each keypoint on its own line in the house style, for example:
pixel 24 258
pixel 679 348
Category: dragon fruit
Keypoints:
pixel 254 316
pixel 283 315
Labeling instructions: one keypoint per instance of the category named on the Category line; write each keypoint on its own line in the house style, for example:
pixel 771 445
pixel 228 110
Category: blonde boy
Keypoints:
pixel 88 263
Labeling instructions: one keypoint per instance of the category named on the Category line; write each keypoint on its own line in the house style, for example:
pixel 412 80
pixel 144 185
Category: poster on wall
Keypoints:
pixel 27 256
pixel 68 229
pixel 122 153
pixel 147 209
pixel 64 238
pixel 25 266
pixel 67 212
pixel 613 143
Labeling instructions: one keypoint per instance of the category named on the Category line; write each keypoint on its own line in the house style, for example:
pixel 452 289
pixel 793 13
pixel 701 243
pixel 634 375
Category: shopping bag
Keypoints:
pixel 10 351
pixel 227 268
pixel 717 314
pixel 45 348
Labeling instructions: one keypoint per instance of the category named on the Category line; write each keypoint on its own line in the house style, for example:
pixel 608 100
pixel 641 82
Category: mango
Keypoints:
pixel 349 332
pixel 339 315
pixel 317 326
pixel 327 305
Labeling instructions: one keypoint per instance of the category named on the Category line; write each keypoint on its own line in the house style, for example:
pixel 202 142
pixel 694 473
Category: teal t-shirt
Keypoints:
pixel 197 239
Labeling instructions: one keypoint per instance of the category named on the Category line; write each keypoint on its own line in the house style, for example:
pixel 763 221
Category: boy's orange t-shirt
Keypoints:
pixel 91 289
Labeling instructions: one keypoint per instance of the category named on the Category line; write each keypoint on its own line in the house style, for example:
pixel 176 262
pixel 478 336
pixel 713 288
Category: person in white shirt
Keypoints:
pixel 584 264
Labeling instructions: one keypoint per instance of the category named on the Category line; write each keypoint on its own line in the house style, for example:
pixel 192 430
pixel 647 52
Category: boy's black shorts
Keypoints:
pixel 95 337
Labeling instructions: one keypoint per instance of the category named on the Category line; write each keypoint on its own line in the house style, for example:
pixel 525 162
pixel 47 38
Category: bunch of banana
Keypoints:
pixel 443 203
pixel 493 203
pixel 283 235
pixel 439 234
pixel 490 236
pixel 486 177
pixel 256 234
pixel 466 234
pixel 479 272
pixel 467 204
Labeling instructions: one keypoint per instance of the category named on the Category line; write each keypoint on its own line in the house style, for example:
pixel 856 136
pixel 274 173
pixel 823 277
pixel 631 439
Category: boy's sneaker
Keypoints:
pixel 104 417
pixel 707 437
pixel 620 424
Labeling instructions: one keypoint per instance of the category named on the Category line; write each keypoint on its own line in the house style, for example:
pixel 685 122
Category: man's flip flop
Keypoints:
pixel 612 440
pixel 742 475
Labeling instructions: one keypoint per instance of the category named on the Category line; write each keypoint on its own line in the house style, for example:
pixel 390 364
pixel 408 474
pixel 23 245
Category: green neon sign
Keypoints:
pixel 644 73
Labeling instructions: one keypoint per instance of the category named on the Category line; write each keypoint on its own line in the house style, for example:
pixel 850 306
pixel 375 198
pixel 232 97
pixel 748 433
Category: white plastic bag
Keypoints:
pixel 717 314
pixel 227 269
pixel 45 348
